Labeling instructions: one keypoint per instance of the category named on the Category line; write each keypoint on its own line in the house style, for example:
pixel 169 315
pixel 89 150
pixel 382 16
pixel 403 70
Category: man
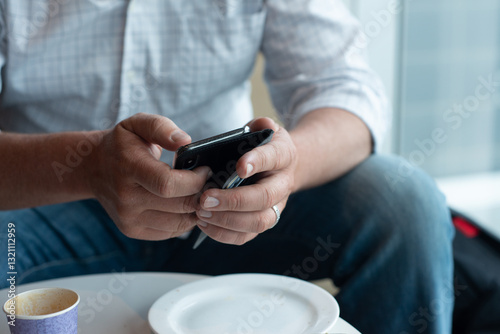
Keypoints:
pixel 86 183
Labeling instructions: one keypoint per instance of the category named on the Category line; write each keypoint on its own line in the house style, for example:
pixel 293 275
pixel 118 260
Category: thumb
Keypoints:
pixel 157 129
pixel 262 123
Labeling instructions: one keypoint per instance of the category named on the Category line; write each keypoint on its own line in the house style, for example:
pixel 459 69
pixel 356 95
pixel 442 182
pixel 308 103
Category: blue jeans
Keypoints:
pixel 382 233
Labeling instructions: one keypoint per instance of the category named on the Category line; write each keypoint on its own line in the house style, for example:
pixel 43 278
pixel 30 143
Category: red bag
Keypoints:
pixel 476 256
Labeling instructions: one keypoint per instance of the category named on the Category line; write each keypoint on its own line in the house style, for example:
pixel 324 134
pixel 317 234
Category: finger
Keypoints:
pixel 149 201
pixel 148 171
pixel 226 236
pixel 152 234
pixel 168 225
pixel 168 222
pixel 245 222
pixel 158 177
pixel 156 129
pixel 275 155
pixel 272 189
pixel 156 225
pixel 161 180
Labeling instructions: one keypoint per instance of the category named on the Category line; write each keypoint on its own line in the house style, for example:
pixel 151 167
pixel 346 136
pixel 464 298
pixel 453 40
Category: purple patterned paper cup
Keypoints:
pixel 43 311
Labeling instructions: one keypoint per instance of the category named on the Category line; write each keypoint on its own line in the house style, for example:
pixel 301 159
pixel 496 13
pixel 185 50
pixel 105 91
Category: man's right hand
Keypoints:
pixel 144 196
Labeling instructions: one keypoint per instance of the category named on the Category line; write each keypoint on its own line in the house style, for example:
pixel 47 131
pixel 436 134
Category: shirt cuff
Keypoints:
pixel 361 101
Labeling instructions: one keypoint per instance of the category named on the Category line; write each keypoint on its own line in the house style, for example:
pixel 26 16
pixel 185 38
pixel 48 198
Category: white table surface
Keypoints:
pixel 119 302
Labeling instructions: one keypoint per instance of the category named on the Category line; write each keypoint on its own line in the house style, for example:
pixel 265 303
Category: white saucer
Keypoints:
pixel 245 303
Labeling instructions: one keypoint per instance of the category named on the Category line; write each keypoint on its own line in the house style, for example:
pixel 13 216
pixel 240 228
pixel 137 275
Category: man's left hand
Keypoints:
pixel 235 216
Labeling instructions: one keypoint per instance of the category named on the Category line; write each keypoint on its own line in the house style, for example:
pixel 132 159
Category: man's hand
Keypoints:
pixel 145 197
pixel 235 216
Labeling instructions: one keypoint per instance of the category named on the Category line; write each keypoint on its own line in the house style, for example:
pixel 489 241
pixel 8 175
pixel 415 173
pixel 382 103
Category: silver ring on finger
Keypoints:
pixel 277 212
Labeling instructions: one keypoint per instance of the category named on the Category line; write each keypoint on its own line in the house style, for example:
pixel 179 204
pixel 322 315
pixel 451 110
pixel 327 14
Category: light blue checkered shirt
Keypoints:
pixel 87 64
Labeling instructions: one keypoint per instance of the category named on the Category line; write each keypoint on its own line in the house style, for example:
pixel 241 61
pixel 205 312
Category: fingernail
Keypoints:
pixel 249 169
pixel 202 223
pixel 205 214
pixel 179 135
pixel 211 202
pixel 204 170
pixel 155 150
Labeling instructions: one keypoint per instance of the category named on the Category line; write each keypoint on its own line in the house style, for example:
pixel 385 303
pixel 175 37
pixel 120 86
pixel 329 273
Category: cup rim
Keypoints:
pixel 44 316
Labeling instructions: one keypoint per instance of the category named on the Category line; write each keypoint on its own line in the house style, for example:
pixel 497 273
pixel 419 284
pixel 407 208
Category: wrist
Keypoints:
pixel 300 172
pixel 90 148
pixel 305 156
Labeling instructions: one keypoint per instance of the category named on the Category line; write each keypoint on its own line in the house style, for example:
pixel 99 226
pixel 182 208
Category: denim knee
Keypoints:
pixel 398 254
pixel 406 204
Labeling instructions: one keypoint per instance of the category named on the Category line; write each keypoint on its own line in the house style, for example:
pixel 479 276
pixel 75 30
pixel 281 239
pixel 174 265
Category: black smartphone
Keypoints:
pixel 221 153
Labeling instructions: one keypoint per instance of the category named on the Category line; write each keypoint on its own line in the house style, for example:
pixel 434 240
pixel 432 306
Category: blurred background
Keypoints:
pixel 440 63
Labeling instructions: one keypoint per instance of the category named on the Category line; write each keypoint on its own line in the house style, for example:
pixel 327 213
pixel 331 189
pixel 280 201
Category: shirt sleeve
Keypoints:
pixel 312 61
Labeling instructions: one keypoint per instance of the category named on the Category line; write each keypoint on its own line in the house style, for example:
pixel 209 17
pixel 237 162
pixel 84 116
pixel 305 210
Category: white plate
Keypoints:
pixel 245 303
